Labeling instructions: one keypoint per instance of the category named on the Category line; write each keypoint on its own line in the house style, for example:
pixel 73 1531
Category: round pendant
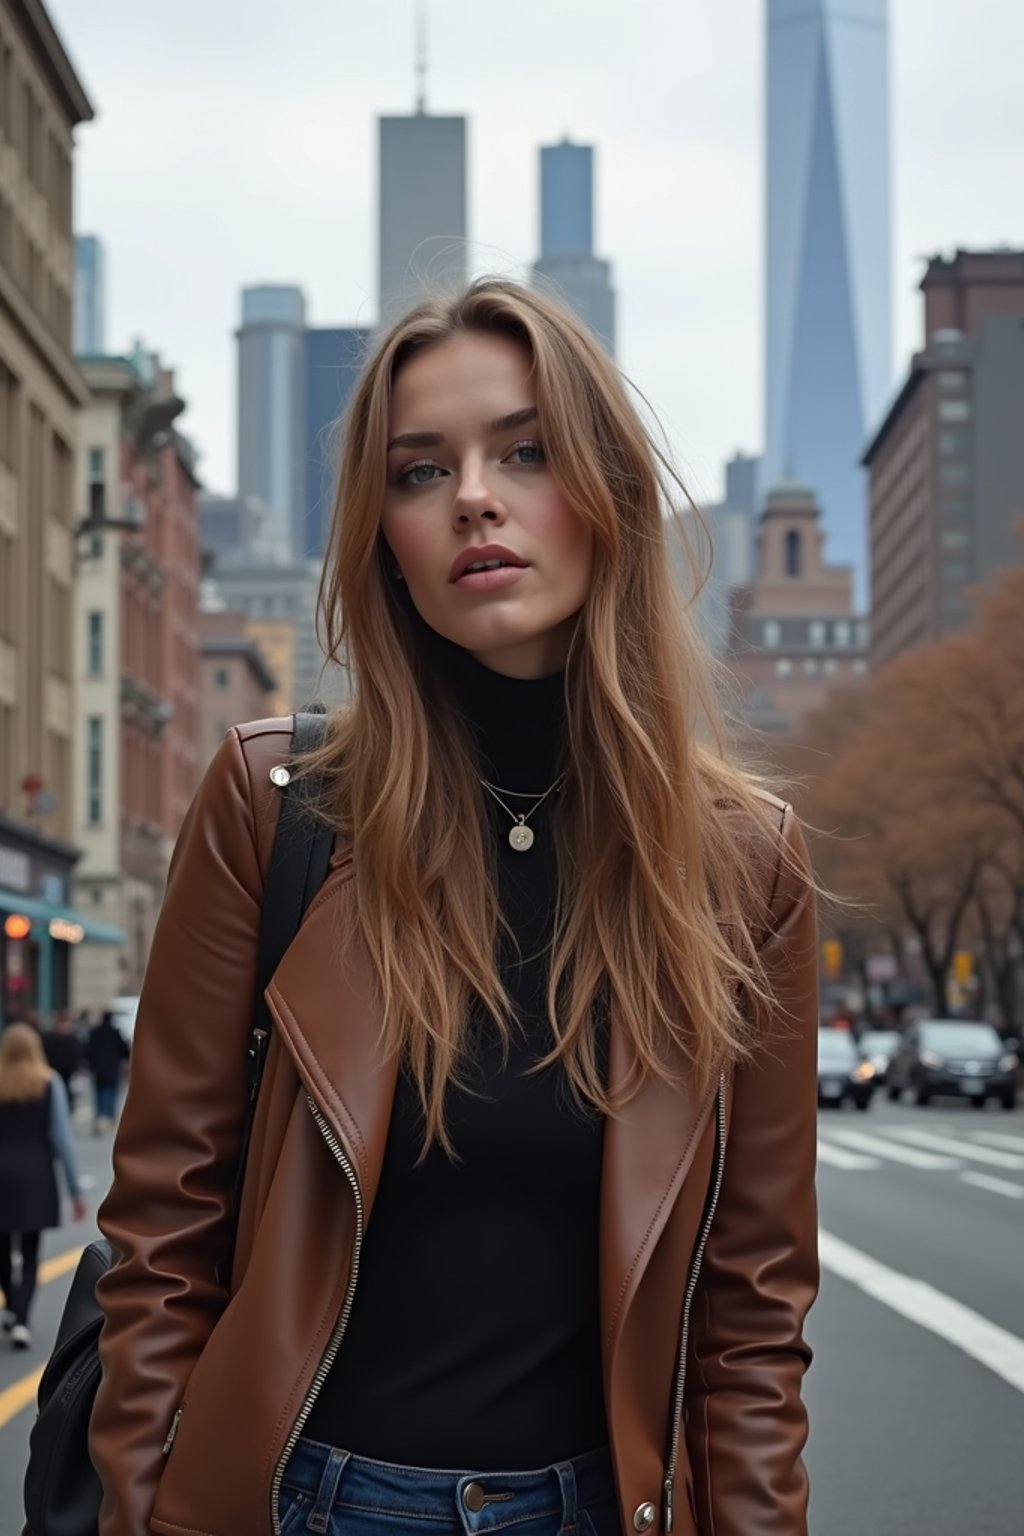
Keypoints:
pixel 521 838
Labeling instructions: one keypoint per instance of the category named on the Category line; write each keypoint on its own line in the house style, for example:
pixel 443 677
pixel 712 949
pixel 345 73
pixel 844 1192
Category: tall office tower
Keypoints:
pixel 567 262
pixel 271 406
pixel 89 312
pixel 334 357
pixel 422 226
pixel 828 254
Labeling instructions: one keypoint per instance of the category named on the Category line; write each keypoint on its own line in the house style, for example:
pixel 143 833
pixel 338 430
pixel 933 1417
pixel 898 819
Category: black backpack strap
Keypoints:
pixel 298 867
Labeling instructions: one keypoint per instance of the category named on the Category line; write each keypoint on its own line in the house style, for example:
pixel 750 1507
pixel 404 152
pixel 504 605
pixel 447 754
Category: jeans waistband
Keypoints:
pixel 482 1500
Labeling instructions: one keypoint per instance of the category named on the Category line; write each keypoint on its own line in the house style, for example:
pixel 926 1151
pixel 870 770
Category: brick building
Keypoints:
pixel 946 465
pixel 794 632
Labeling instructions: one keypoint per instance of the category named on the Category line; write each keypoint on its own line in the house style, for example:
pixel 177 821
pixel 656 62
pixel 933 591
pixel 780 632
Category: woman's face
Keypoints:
pixel 466 468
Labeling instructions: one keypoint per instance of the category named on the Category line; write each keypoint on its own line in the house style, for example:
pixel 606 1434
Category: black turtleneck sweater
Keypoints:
pixel 474 1338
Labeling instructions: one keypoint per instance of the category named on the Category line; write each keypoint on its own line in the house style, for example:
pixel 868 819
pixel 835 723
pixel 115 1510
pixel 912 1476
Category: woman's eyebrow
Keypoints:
pixel 435 439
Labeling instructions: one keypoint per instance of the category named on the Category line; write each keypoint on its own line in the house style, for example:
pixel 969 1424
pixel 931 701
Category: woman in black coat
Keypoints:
pixel 106 1051
pixel 35 1131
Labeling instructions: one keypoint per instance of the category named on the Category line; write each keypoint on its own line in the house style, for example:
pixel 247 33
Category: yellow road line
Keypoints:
pixel 15 1398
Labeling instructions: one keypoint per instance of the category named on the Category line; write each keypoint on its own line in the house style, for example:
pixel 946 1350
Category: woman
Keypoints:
pixel 528 1232
pixel 106 1051
pixel 35 1129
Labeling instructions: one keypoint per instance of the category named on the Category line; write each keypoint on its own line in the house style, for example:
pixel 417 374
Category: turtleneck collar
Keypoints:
pixel 517 723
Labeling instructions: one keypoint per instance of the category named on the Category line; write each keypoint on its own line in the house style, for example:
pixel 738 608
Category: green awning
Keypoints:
pixel 42 913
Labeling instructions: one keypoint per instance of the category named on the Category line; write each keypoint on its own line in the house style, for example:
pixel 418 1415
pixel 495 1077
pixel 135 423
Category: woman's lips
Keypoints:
pixel 488 581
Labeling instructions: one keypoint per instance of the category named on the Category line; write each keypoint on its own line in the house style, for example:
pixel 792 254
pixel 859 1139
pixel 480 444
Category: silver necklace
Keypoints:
pixel 520 836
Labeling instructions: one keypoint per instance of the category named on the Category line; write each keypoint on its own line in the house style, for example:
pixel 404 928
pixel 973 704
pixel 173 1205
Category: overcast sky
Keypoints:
pixel 235 143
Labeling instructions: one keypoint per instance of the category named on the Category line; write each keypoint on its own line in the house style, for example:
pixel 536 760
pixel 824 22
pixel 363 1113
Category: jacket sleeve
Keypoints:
pixel 746 1424
pixel 168 1212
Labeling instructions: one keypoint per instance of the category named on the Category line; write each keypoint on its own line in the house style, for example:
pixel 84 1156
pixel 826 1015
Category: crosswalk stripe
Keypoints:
pixel 848 1160
pixel 997 1186
pixel 959 1148
pixel 921 1303
pixel 998 1139
pixel 864 1142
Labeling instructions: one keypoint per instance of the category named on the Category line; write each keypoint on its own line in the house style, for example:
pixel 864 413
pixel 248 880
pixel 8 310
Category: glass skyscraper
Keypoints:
pixel 567 266
pixel 828 307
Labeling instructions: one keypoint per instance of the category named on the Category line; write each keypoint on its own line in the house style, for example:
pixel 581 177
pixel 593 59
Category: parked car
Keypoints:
pixel 955 1057
pixel 843 1073
pixel 879 1046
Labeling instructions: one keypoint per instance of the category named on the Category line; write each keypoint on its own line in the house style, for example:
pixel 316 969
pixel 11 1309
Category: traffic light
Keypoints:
pixel 832 954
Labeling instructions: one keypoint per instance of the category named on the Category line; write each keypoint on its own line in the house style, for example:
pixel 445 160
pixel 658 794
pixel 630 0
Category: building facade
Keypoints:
pixel 828 263
pixel 333 362
pixel 137 658
pixel 422 208
pixel 235 682
pixel 567 266
pixel 89 312
pixel 271 406
pixel 946 465
pixel 41 395
pixel 794 631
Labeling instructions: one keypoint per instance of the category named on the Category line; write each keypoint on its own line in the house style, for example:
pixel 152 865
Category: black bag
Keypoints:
pixel 62 1490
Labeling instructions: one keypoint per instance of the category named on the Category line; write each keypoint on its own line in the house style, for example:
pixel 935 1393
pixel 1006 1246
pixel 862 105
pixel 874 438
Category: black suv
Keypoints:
pixel 954 1057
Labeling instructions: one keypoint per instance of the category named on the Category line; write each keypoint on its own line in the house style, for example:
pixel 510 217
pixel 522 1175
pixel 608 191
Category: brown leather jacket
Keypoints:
pixel 708 1260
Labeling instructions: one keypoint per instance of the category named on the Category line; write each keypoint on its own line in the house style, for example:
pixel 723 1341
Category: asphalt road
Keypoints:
pixel 916 1395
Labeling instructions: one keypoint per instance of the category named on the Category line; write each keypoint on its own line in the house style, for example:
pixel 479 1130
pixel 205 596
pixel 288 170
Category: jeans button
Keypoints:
pixel 644 1516
pixel 474 1498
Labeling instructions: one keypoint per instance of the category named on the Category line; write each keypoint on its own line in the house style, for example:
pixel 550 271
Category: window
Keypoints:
pixel 954 473
pixel 793 553
pixel 955 572
pixel 97 485
pixel 772 632
pixel 783 667
pixel 94 772
pixel 860 666
pixel 841 632
pixel 830 666
pixel 951 379
pixel 223 677
pixel 816 632
pixel 95 644
pixel 954 410
pixel 954 538
pixel 954 509
pixel 811 666
pixel 954 442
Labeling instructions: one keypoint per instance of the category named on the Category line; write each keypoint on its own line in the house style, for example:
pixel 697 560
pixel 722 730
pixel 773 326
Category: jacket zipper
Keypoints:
pixel 329 1356
pixel 173 1430
pixel 668 1509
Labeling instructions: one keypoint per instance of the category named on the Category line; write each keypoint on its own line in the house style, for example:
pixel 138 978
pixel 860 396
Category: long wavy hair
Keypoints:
pixel 657 830
pixel 24 1071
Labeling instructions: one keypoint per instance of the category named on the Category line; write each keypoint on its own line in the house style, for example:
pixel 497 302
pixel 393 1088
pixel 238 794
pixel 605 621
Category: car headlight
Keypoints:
pixel 863 1073
pixel 932 1059
pixel 1008 1063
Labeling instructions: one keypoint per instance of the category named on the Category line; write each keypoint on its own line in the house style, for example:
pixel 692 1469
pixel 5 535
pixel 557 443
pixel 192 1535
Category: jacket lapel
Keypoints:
pixel 647 1155
pixel 325 1005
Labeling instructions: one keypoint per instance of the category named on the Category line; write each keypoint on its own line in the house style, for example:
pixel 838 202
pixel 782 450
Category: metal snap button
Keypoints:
pixel 644 1517
pixel 280 777
pixel 474 1497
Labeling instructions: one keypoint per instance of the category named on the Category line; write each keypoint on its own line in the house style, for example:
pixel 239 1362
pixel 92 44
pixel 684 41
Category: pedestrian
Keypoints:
pixel 527 1234
pixel 35 1130
pixel 107 1051
pixel 63 1047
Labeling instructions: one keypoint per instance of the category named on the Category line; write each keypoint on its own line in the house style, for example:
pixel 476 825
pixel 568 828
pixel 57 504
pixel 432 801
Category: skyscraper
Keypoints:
pixel 567 262
pixel 422 229
pixel 828 255
pixel 89 317
pixel 271 407
pixel 334 357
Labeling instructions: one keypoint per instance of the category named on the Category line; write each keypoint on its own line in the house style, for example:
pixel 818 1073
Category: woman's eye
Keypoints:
pixel 418 474
pixel 534 452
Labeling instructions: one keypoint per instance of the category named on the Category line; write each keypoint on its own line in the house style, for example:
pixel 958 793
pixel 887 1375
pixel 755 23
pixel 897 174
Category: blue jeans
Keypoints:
pixel 337 1494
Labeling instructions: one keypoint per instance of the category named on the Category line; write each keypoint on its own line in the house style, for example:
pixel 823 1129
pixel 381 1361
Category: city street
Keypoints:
pixel 917 1391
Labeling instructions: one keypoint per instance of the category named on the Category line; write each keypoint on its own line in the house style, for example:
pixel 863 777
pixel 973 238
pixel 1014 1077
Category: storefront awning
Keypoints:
pixel 47 916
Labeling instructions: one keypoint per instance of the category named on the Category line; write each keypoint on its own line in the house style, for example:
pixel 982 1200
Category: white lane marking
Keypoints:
pixel 840 1159
pixel 997 1186
pixel 874 1144
pixel 963 1149
pixel 921 1303
pixel 998 1139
